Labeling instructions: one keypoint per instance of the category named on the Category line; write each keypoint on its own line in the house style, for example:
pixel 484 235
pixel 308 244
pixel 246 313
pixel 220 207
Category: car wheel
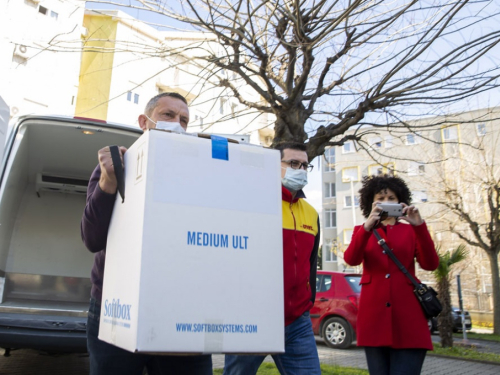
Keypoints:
pixel 337 333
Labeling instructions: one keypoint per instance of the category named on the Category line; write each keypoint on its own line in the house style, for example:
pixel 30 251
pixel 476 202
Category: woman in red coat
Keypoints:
pixel 391 324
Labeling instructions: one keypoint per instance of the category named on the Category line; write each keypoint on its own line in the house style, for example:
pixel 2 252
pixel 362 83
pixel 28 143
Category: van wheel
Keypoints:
pixel 337 333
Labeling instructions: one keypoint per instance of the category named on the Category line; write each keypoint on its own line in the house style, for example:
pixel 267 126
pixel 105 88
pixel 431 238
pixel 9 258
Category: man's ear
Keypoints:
pixel 143 122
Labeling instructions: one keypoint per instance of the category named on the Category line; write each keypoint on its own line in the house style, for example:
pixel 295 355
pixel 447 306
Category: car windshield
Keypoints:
pixel 353 281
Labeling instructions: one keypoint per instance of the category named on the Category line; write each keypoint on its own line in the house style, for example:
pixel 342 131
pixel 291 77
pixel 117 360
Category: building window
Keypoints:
pixel 481 129
pixel 388 142
pixel 450 133
pixel 348 201
pixel 375 142
pixel 410 139
pixel 347 236
pixel 330 218
pixel 42 10
pixel 330 250
pixel 416 168
pixel 222 105
pixel 329 189
pixel 379 170
pixel 129 96
pixel 136 98
pixel 53 14
pixel 329 160
pixel 348 147
pixel 176 77
pixel 350 174
pixel 419 196
pixel 390 169
pixel 375 170
pixel 31 3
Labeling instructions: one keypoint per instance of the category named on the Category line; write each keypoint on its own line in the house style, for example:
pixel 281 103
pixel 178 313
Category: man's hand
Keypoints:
pixel 107 182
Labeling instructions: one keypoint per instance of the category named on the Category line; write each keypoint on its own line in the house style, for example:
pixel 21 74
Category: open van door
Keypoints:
pixel 4 122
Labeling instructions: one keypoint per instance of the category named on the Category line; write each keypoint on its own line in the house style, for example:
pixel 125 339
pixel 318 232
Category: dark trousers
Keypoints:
pixel 107 359
pixel 387 361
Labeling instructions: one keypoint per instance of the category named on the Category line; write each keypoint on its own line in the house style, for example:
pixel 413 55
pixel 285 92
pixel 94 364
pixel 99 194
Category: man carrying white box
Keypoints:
pixel 167 110
pixel 301 233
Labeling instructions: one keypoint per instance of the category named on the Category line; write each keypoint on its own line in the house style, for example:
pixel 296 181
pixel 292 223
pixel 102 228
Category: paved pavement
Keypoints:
pixel 30 362
pixel 355 357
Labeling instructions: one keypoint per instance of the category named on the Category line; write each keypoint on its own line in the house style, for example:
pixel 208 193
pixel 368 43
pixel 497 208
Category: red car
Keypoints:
pixel 335 310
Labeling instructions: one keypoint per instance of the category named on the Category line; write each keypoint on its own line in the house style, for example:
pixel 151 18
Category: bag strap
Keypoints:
pixel 389 252
pixel 117 166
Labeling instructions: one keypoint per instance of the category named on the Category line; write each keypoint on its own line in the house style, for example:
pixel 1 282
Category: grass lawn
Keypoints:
pixel 467 353
pixel 481 336
pixel 270 369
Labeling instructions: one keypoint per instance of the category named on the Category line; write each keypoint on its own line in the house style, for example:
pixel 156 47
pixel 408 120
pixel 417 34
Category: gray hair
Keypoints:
pixel 154 101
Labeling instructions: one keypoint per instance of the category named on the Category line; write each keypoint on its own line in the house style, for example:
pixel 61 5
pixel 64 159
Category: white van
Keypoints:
pixel 44 266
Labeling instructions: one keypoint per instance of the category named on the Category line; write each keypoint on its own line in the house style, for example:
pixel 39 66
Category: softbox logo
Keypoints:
pixel 115 309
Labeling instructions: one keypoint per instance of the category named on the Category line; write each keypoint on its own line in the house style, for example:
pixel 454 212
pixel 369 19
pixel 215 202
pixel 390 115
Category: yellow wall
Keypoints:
pixel 96 67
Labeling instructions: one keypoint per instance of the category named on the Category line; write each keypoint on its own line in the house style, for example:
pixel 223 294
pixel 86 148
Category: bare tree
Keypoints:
pixel 468 190
pixel 322 67
pixel 453 169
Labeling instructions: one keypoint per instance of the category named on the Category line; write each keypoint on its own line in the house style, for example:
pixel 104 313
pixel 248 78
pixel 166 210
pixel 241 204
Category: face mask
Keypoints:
pixel 295 179
pixel 172 126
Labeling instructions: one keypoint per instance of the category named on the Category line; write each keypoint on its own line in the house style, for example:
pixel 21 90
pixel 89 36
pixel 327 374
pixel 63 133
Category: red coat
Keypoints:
pixel 389 313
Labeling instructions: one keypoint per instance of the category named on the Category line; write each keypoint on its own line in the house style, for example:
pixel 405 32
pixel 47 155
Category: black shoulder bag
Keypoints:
pixel 426 295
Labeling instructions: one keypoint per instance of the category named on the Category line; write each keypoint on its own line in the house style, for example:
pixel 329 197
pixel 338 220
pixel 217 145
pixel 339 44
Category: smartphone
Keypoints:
pixel 391 209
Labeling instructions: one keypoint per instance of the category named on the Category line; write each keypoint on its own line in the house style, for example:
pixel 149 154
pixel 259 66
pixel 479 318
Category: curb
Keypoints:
pixel 482 340
pixel 463 359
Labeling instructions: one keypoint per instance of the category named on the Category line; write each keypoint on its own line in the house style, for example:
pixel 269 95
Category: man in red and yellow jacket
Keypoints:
pixel 301 235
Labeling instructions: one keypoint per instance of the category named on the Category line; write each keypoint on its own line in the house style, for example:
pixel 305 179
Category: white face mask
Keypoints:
pixel 172 126
pixel 295 179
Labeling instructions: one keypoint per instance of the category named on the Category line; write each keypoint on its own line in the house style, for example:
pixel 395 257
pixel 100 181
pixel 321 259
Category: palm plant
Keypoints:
pixel 443 276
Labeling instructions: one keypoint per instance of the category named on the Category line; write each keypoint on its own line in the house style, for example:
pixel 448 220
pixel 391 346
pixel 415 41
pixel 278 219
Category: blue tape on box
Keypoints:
pixel 219 148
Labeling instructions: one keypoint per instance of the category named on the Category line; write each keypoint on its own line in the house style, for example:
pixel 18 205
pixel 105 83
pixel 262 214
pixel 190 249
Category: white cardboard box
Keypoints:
pixel 194 260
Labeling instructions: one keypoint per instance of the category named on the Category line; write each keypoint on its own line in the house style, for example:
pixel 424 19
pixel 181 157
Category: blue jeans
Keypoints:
pixel 107 359
pixel 300 357
pixel 383 360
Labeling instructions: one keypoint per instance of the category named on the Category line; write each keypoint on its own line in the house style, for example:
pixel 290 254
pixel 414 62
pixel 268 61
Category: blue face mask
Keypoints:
pixel 295 179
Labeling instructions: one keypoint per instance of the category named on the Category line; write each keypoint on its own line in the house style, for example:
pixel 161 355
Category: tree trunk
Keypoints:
pixel 445 320
pixel 289 125
pixel 495 282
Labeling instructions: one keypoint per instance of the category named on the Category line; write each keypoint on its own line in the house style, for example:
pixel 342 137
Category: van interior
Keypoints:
pixel 44 266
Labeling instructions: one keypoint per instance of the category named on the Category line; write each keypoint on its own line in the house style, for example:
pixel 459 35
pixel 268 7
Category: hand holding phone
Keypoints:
pixel 390 210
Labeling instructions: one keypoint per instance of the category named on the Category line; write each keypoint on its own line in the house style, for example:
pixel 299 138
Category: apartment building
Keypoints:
pixel 453 154
pixel 125 62
pixel 56 57
pixel 40 52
